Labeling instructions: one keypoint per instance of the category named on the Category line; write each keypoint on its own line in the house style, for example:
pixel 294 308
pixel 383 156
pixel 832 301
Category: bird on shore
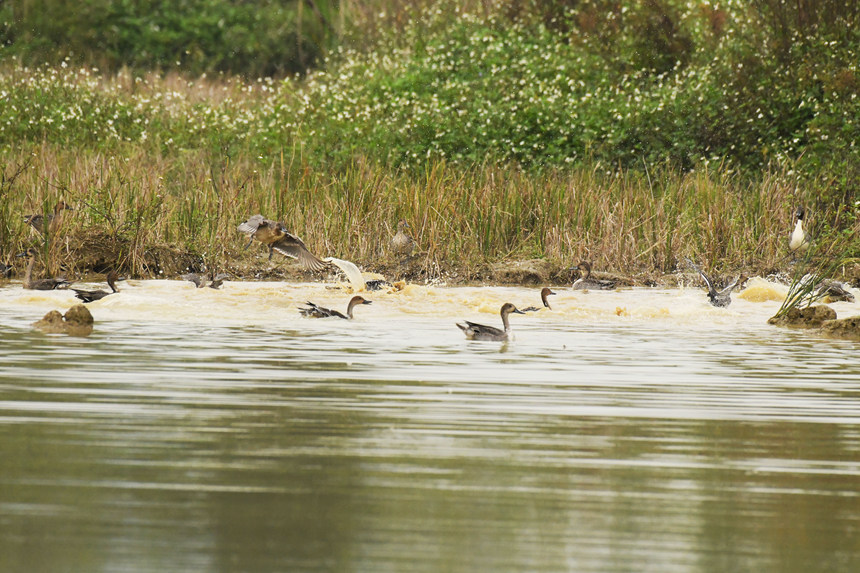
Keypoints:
pixel 53 220
pixel 199 280
pixel 275 236
pixel 799 240
pixel 721 298
pixel 475 331
pixel 314 310
pixel 5 271
pixel 829 290
pixel 93 295
pixel 544 292
pixel 585 282
pixel 39 284
pixel 402 243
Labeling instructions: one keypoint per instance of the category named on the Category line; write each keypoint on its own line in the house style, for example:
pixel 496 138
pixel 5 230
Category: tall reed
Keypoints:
pixel 134 200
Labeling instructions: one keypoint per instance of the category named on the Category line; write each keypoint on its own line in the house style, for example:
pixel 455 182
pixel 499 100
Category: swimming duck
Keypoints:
pixel 722 298
pixel 54 219
pixel 586 282
pixel 218 280
pixel 476 331
pixel 316 311
pixel 402 243
pixel 275 236
pixel 830 290
pixel 199 280
pixel 376 284
pixel 799 240
pixel 93 295
pixel 39 284
pixel 544 292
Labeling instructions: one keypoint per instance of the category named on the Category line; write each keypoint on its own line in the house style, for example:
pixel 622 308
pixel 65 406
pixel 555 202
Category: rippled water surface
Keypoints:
pixel 639 430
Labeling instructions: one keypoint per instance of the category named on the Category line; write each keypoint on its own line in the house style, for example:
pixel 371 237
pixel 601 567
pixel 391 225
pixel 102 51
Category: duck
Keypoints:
pixel 799 240
pixel 314 310
pixel 54 219
pixel 199 280
pixel 722 298
pixel 93 295
pixel 5 271
pixel 544 292
pixel 830 290
pixel 275 236
pixel 39 284
pixel 218 280
pixel 402 243
pixel 586 282
pixel 476 331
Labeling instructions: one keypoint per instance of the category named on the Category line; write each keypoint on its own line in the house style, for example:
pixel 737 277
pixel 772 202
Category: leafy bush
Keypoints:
pixel 253 38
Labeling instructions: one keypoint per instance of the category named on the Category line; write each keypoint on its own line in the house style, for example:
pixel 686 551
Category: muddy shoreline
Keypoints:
pixel 91 259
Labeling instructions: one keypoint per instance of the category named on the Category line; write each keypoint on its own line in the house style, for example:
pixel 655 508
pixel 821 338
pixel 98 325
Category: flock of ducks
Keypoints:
pixel 275 236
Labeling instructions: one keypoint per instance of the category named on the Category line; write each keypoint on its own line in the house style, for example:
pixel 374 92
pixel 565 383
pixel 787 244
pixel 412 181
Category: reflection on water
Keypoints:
pixel 219 431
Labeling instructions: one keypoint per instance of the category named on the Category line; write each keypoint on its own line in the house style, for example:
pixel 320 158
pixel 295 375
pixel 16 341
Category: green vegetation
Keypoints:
pixel 631 133
pixel 254 38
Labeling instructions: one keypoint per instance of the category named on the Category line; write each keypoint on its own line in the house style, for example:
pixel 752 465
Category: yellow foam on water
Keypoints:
pixel 761 290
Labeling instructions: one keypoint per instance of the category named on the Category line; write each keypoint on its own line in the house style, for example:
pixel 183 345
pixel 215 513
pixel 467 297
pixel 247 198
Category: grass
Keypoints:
pixel 150 213
pixel 161 169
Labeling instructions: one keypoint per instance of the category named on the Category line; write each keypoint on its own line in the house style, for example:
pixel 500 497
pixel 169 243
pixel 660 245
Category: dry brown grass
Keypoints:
pixel 147 213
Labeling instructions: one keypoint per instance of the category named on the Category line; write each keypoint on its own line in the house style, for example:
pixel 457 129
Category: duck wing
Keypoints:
pixel 352 272
pixel 250 226
pixel 293 247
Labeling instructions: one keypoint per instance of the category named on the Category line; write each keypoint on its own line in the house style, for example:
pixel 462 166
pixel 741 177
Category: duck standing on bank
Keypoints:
pixel 722 298
pixel 316 311
pixel 799 240
pixel 39 284
pixel 475 331
pixel 276 237
pixel 544 293
pixel 93 295
pixel 53 220
pixel 402 243
pixel 585 282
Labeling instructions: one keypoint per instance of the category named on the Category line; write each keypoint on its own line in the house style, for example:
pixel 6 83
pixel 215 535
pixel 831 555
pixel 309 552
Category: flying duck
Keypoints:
pixel 276 237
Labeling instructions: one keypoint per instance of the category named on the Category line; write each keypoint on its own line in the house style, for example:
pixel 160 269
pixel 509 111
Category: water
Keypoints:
pixel 202 430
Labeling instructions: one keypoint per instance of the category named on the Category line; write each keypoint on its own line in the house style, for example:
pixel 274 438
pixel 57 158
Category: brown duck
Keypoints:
pixel 402 243
pixel 53 220
pixel 276 237
pixel 39 284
